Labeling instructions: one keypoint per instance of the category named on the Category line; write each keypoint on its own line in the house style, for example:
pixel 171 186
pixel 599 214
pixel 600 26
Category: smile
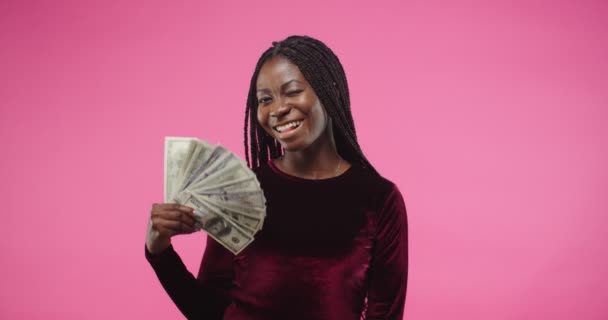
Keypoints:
pixel 288 126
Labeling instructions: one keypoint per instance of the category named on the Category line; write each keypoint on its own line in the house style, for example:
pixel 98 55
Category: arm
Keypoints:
pixel 389 266
pixel 204 298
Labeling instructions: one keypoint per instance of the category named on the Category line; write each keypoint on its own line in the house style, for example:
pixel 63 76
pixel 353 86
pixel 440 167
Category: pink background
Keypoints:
pixel 490 116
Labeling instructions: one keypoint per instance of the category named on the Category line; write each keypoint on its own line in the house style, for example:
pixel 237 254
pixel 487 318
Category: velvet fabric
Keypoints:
pixel 333 248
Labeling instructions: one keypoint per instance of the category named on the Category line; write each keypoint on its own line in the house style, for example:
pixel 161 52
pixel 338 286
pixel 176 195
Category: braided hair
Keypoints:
pixel 323 70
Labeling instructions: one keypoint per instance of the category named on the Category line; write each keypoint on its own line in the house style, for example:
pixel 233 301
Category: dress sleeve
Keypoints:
pixel 389 266
pixel 204 297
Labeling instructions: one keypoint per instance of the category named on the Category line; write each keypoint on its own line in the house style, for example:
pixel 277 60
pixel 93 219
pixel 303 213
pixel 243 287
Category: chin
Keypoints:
pixel 290 147
pixel 293 146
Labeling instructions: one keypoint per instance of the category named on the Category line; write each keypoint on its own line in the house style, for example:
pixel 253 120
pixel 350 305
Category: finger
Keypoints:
pixel 169 206
pixel 187 229
pixel 178 217
pixel 177 207
pixel 171 209
pixel 186 209
pixel 162 229
pixel 183 209
pixel 172 227
pixel 188 220
pixel 155 207
pixel 160 208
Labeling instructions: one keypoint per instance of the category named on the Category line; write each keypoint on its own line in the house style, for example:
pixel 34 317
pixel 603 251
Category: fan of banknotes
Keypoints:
pixel 225 194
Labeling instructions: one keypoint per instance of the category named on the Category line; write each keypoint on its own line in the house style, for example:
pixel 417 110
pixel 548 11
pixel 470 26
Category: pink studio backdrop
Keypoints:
pixel 491 117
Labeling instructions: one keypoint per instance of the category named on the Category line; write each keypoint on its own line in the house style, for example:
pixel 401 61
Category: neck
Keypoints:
pixel 320 160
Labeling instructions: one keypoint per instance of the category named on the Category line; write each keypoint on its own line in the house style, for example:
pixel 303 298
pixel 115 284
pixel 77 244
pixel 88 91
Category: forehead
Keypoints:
pixel 277 71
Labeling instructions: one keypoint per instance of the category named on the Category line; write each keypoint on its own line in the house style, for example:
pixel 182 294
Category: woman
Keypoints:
pixel 334 242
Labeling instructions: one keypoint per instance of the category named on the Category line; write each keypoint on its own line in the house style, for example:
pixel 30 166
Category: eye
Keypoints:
pixel 264 100
pixel 293 93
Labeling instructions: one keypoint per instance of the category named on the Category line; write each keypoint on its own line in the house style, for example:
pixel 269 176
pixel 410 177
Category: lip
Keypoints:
pixel 284 123
pixel 287 134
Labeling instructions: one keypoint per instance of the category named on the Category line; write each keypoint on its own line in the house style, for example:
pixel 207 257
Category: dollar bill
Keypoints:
pixel 243 217
pixel 220 228
pixel 176 152
pixel 241 183
pixel 231 172
pixel 199 174
pixel 183 170
pixel 202 155
pixel 226 195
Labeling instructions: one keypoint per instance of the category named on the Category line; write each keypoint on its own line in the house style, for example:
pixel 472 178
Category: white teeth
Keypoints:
pixel 286 126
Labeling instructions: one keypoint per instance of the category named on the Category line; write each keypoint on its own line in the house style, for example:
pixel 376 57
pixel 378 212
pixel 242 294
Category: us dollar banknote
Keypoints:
pixel 228 200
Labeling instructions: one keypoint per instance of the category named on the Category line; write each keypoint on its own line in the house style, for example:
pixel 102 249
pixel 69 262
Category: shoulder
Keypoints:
pixel 363 186
pixel 380 189
pixel 374 180
pixel 389 215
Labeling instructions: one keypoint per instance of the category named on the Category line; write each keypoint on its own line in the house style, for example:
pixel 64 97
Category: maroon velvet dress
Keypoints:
pixel 334 249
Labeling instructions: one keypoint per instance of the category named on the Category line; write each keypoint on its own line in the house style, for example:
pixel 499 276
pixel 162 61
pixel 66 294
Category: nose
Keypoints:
pixel 280 108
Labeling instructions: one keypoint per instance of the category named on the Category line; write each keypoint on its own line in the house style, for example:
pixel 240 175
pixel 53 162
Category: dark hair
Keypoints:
pixel 323 70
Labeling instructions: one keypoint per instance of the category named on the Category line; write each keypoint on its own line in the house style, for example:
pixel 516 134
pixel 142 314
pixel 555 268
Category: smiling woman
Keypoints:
pixel 335 239
pixel 289 110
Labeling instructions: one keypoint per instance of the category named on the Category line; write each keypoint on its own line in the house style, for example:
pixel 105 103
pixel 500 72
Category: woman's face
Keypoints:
pixel 288 108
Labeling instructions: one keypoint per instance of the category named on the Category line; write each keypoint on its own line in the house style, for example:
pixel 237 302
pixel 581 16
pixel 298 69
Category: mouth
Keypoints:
pixel 289 126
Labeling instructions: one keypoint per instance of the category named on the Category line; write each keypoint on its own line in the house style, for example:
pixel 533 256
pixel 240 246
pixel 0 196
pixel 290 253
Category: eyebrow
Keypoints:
pixel 282 86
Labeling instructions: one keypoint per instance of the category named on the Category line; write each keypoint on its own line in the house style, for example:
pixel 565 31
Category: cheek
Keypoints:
pixel 261 117
pixel 263 120
pixel 320 117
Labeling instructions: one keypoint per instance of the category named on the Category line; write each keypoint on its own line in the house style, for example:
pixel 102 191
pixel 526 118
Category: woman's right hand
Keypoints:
pixel 167 220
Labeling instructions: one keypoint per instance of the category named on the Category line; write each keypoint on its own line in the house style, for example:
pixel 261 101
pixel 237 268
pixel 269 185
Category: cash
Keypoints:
pixel 225 194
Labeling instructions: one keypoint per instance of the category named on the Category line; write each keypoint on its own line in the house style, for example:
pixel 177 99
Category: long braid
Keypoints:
pixel 345 123
pixel 323 70
pixel 253 143
pixel 246 132
pixel 330 63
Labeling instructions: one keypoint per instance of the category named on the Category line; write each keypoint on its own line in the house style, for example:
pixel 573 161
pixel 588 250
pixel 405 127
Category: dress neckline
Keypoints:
pixel 283 174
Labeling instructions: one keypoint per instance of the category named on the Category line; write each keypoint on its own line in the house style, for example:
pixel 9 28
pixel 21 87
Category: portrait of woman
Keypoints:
pixel 335 241
pixel 485 119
